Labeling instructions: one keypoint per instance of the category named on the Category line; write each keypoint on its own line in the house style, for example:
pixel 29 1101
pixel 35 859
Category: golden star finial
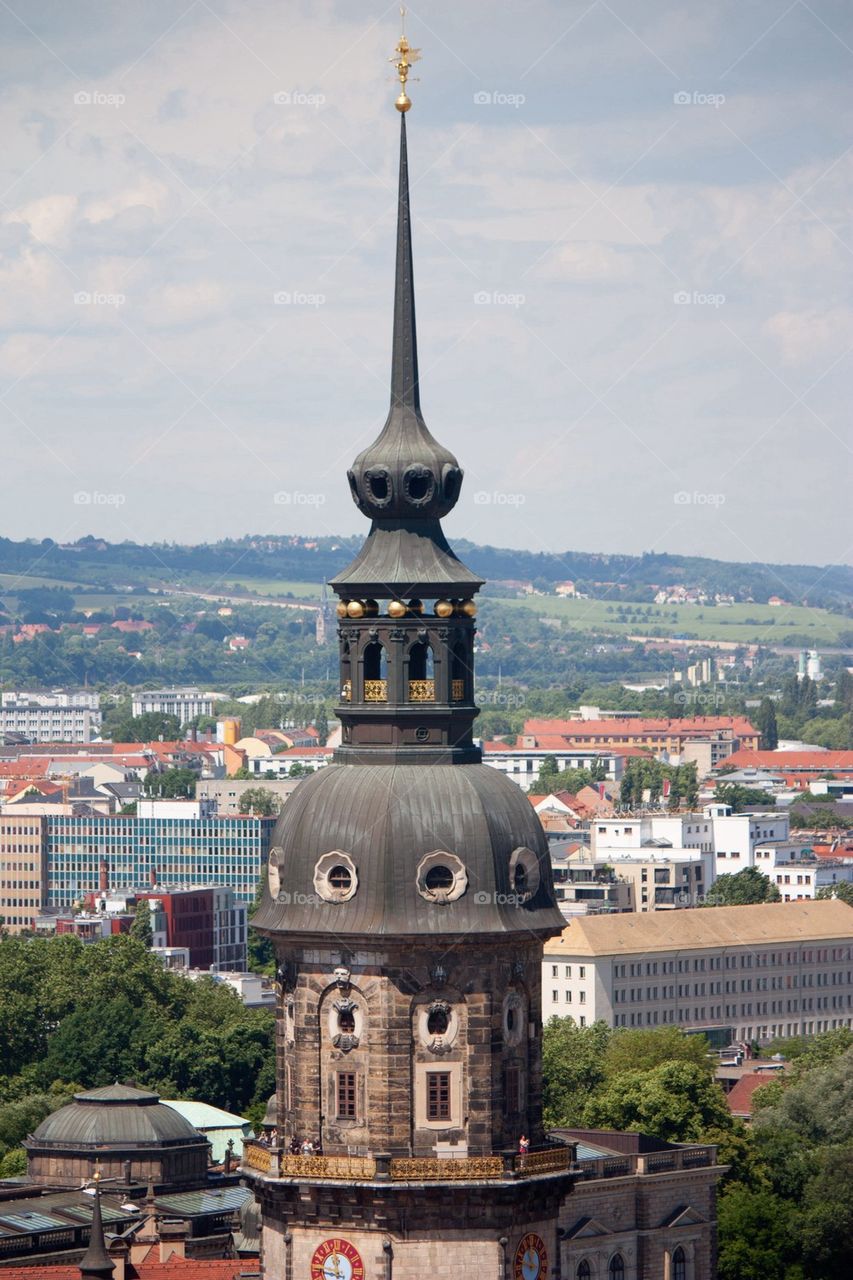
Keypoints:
pixel 403 57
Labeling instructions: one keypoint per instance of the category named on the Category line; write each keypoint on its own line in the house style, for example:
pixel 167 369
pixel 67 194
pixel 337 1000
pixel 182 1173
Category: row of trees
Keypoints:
pixel 75 1015
pixel 786 1203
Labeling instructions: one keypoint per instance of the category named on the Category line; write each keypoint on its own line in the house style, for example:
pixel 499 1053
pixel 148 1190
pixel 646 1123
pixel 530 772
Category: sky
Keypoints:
pixel 632 267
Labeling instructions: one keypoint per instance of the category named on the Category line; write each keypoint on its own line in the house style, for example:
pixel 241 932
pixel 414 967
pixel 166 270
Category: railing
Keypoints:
pixel 376 691
pixel 553 1160
pixel 274 1163
pixel 457 690
pixel 421 691
pixel 433 1170
pixel 353 1168
pixel 257 1156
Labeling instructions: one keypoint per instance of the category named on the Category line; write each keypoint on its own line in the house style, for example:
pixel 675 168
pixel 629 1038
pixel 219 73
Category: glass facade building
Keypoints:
pixel 139 852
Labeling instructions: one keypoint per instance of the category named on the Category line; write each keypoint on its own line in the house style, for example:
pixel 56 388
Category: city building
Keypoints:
pixel 408 897
pixel 56 716
pixel 666 739
pixel 134 1137
pixel 522 762
pixel 209 921
pixel 23 870
pixel 729 839
pixel 737 973
pixel 186 703
pixel 226 793
pixel 152 850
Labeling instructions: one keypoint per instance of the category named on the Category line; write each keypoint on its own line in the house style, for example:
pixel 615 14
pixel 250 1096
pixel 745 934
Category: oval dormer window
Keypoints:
pixel 377 481
pixel 418 485
pixel 452 483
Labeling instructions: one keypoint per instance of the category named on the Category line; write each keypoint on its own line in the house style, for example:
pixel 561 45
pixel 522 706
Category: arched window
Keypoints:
pixel 420 662
pixel 616 1270
pixel 421 673
pixel 679 1264
pixel 375 672
pixel 346 672
pixel 583 1272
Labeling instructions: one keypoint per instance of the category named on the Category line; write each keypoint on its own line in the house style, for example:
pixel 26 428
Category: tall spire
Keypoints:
pixel 96 1263
pixel 404 357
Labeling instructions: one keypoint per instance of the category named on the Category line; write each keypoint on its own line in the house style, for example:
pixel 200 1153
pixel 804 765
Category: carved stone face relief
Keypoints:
pixel 346 1023
pixel 437 1026
pixel 274 871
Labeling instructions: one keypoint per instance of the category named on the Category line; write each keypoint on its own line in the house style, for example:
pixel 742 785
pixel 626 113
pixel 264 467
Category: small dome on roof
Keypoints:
pixel 115 1115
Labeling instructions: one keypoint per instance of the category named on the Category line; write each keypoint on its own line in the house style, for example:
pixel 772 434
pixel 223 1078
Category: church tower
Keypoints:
pixel 409 895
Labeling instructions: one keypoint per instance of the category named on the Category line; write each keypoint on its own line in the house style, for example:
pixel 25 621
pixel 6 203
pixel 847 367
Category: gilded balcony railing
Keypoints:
pixel 257 1157
pixel 432 1170
pixel 355 1168
pixel 421 691
pixel 457 690
pixel 553 1160
pixel 376 691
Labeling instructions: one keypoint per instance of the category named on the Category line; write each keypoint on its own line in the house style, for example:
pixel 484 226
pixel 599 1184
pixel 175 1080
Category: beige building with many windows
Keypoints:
pixel 23 869
pixel 777 969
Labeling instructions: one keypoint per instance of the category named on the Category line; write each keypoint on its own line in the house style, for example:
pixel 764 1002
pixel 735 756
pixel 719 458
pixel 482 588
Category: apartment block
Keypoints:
pixel 51 717
pixel 23 870
pixel 734 973
pixel 186 703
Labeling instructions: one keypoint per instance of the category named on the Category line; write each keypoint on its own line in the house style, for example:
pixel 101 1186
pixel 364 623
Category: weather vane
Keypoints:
pixel 403 58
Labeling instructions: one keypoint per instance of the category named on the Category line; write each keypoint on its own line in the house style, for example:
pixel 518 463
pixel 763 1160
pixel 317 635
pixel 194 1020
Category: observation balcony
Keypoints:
pixel 275 1163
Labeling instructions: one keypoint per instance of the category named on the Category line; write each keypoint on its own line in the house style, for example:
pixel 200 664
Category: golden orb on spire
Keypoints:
pixel 403 58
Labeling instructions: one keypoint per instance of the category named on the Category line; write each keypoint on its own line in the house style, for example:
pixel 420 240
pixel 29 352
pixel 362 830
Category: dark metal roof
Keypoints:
pixel 406 558
pixel 116 1115
pixel 195 1204
pixel 387 817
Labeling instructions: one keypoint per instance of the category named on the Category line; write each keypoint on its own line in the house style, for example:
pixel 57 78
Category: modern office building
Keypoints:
pixel 742 973
pixel 23 869
pixel 153 850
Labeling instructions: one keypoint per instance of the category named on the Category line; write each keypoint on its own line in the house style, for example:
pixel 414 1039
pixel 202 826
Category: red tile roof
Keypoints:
pixel 174 1269
pixel 791 761
pixel 740 1097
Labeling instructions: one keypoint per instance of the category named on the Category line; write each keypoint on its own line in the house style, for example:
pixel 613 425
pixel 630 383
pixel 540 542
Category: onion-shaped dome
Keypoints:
pixel 407 850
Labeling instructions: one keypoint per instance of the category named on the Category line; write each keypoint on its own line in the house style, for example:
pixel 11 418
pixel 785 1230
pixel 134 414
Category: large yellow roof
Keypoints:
pixel 689 930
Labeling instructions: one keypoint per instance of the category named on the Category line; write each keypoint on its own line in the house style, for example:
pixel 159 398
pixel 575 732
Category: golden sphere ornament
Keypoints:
pixel 396 609
pixel 468 608
pixel 443 609
pixel 355 609
pixel 341 609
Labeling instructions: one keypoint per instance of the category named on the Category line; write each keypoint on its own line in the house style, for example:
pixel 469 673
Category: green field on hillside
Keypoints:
pixel 268 587
pixel 741 623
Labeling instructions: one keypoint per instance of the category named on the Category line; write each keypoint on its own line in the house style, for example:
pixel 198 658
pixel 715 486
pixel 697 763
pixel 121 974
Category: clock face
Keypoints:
pixel 531 1259
pixel 336 1259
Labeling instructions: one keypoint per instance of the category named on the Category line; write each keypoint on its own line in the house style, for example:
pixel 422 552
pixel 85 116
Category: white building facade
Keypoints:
pixel 748 973
pixel 186 704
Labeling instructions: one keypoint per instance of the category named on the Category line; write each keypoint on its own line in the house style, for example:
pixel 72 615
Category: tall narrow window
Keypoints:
pixel 616 1270
pixel 438 1095
pixel 679 1264
pixel 347 1095
pixel 512 1090
pixel 583 1271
